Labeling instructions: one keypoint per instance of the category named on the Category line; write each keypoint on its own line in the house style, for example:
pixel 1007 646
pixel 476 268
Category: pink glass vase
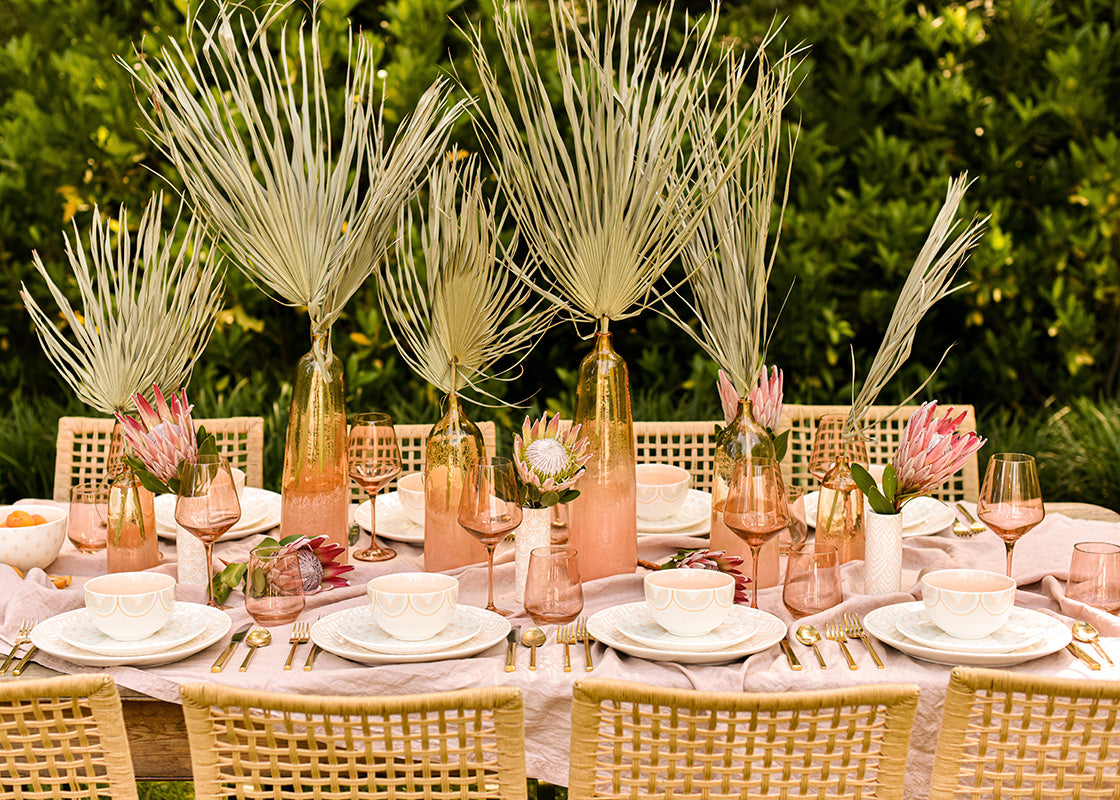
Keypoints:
pixel 316 487
pixel 604 518
pixel 840 512
pixel 454 447
pixel 741 438
pixel 131 543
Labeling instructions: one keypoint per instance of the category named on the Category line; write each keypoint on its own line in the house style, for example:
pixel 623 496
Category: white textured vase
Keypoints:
pixel 190 557
pixel 882 555
pixel 535 530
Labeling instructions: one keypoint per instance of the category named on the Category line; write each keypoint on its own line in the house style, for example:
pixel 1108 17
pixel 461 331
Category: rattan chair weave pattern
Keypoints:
pixel 1011 735
pixel 636 741
pixel 690 445
pixel 463 744
pixel 82 448
pixel 64 738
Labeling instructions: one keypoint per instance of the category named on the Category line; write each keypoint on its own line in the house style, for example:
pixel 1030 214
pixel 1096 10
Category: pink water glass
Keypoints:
pixel 553 591
pixel 273 586
pixel 87 524
pixel 812 579
pixel 1094 575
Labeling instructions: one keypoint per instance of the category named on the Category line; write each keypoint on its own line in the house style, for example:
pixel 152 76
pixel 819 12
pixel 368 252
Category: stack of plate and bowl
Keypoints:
pixel 667 505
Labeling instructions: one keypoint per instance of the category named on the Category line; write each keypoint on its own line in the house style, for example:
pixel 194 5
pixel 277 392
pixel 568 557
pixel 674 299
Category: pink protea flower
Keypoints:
pixel 163 436
pixel 719 561
pixel 318 564
pixel 930 451
pixel 766 399
pixel 548 459
pixel 728 398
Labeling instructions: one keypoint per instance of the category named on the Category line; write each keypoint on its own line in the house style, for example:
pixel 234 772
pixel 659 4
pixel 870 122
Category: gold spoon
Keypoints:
pixel 533 638
pixel 258 637
pixel 809 636
pixel 1084 632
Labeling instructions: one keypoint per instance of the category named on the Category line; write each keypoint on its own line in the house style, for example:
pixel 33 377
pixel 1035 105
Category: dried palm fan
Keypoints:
pixel 147 309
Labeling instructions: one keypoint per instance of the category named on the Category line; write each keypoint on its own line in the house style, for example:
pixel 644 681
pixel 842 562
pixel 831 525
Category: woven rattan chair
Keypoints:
pixel 64 738
pixel 1014 735
pixel 630 740
pixel 82 448
pixel 885 428
pixel 249 744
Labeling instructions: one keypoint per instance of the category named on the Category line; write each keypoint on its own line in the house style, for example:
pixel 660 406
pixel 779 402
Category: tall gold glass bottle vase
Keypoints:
pixel 604 518
pixel 316 485
pixel 454 447
pixel 132 544
pixel 741 438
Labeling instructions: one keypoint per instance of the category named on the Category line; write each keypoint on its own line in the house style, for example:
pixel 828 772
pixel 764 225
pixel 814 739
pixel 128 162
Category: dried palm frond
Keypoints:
pixel 458 310
pixel 927 283
pixel 250 135
pixel 605 191
pixel 146 312
pixel 728 264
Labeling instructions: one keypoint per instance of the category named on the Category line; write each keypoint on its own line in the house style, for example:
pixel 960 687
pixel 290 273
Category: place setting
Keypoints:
pixel 666 504
pixel 130 619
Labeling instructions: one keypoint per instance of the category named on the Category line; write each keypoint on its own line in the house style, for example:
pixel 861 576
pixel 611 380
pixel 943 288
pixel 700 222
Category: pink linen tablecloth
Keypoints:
pixel 1041 563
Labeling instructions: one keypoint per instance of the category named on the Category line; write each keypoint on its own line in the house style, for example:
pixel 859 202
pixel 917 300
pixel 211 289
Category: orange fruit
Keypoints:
pixel 39 519
pixel 19 519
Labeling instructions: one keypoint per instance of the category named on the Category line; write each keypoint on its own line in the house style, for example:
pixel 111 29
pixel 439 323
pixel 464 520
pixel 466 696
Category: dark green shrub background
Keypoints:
pixel 894 98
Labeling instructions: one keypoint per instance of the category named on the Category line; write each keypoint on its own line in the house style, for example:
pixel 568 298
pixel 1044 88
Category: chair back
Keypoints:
pixel 251 744
pixel 64 737
pixel 691 445
pixel 638 741
pixel 82 448
pixel 885 430
pixel 1007 734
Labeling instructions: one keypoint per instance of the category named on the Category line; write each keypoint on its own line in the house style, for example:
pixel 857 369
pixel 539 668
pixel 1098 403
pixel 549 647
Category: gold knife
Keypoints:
pixel 791 657
pixel 234 640
pixel 1084 657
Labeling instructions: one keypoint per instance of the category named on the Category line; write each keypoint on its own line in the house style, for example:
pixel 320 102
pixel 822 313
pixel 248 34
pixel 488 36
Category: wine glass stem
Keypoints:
pixel 490 578
pixel 210 574
pixel 1010 550
pixel 373 545
pixel 755 550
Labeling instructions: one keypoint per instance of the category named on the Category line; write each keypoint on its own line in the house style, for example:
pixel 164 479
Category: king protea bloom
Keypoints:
pixel 720 561
pixel 766 399
pixel 728 398
pixel 930 451
pixel 547 458
pixel 317 563
pixel 163 436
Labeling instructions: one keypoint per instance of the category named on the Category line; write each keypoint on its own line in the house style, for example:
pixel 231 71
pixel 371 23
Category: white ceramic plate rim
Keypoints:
pixel 392 524
pixel 938 516
pixel 905 625
pixel 880 624
pixel 184 614
pixel 45 637
pixel 393 646
pixel 770 631
pixel 701 644
pixel 697 509
pixel 165 526
pixel 495 628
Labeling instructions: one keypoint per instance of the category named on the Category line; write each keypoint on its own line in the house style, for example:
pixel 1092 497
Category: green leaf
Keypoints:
pixel 890 482
pixel 781 443
pixel 147 479
pixel 863 479
pixel 549 499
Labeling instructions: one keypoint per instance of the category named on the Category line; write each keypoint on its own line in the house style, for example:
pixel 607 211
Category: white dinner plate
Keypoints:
pixel 604 626
pixel 881 623
pixel 697 509
pixel 359 628
pixel 1021 629
pixel 391 521
pixel 324 633
pixel 922 516
pixel 185 624
pixel 637 623
pixel 46 637
pixel 260 512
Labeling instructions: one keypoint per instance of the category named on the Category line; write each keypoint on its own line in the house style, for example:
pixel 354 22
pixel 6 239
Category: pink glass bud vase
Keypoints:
pixel 454 447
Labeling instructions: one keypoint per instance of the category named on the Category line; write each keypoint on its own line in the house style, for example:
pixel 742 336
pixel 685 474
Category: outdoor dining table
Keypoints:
pixel 151 693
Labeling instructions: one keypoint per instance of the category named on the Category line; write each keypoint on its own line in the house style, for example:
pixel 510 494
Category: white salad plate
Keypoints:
pixel 697 509
pixel 260 512
pixel 1021 629
pixel 47 637
pixel 882 624
pixel 922 516
pixel 325 633
pixel 391 521
pixel 359 628
pixel 604 626
pixel 185 624
pixel 638 624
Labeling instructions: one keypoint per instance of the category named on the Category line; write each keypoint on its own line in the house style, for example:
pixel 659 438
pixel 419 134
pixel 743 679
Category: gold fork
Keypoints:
pixel 974 525
pixel 583 636
pixel 833 631
pixel 23 636
pixel 854 628
pixel 566 635
pixel 301 634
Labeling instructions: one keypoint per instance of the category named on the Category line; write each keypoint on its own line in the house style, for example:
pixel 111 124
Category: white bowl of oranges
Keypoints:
pixel 31 535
